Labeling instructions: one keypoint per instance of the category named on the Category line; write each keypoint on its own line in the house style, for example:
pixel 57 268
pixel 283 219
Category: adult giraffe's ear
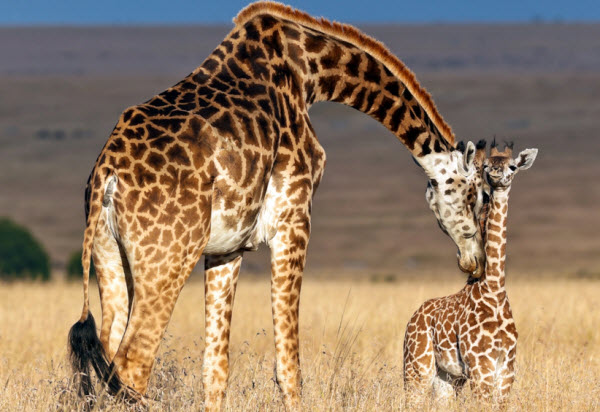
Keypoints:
pixel 525 159
pixel 468 157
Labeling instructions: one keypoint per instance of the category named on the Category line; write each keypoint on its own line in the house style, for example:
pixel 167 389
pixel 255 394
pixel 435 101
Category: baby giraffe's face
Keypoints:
pixel 500 168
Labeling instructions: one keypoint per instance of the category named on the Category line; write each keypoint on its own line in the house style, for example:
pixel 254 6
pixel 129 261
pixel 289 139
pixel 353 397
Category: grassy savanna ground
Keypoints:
pixel 351 345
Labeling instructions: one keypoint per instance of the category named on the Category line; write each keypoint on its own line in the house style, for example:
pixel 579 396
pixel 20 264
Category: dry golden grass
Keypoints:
pixel 351 349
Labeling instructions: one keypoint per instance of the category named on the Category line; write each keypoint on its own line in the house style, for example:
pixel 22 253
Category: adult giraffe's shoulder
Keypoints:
pixel 226 159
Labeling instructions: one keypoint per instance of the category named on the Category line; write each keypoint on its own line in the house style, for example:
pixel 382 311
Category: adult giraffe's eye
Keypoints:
pixel 513 168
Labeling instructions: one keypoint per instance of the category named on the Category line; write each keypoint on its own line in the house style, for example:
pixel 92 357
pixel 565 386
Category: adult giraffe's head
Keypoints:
pixel 456 192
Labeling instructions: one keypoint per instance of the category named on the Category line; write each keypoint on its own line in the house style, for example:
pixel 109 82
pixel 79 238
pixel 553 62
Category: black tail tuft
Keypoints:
pixel 83 346
pixel 85 349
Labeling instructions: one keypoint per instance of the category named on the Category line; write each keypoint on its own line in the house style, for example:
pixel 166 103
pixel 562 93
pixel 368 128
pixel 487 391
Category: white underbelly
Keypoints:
pixel 225 238
pixel 450 364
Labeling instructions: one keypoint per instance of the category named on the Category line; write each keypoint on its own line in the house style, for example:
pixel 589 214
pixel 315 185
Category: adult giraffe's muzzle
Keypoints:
pixel 471 260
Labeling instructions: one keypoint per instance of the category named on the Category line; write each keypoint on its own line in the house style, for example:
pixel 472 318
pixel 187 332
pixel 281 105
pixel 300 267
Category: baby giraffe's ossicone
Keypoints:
pixel 470 335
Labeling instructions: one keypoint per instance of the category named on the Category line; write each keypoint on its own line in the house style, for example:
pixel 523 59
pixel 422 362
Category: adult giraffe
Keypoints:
pixel 226 159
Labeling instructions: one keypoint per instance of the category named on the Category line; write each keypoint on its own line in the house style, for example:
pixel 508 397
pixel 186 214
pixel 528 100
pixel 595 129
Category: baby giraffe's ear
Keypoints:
pixel 480 153
pixel 525 159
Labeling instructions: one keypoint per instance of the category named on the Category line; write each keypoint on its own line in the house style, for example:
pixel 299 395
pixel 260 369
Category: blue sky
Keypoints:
pixel 83 12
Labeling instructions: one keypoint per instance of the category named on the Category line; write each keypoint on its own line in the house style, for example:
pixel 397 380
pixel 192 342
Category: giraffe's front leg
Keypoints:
pixel 506 373
pixel 288 254
pixel 481 374
pixel 220 280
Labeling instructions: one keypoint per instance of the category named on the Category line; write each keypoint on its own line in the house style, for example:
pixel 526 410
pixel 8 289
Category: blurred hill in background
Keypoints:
pixel 62 90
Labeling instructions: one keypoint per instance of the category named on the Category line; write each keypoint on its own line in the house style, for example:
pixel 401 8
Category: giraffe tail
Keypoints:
pixel 85 348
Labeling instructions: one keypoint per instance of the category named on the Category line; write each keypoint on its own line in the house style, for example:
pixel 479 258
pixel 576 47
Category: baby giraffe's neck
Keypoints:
pixel 495 243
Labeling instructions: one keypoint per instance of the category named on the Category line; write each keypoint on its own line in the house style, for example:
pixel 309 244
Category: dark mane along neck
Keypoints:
pixel 327 61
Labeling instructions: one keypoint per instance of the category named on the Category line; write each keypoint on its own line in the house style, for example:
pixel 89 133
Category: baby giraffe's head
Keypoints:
pixel 500 168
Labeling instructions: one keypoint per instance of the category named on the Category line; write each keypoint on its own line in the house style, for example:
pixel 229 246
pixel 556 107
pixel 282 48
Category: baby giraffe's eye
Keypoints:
pixel 513 168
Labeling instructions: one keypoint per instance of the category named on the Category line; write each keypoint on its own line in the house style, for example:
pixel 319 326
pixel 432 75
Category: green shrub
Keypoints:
pixel 75 268
pixel 21 255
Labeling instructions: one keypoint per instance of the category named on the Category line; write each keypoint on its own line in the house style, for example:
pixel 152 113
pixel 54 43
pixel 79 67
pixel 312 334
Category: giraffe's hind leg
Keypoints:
pixel 445 386
pixel 161 258
pixel 115 284
pixel 156 289
pixel 220 280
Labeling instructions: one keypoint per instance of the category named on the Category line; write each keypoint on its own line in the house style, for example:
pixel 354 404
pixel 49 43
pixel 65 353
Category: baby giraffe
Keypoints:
pixel 470 335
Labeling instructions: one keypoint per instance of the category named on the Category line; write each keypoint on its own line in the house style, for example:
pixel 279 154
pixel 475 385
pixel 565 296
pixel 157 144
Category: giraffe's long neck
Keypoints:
pixel 346 74
pixel 317 63
pixel 495 242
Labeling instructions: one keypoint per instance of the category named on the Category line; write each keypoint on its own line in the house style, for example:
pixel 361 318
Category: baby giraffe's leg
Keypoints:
pixel 506 376
pixel 506 368
pixel 443 386
pixel 481 374
pixel 419 358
